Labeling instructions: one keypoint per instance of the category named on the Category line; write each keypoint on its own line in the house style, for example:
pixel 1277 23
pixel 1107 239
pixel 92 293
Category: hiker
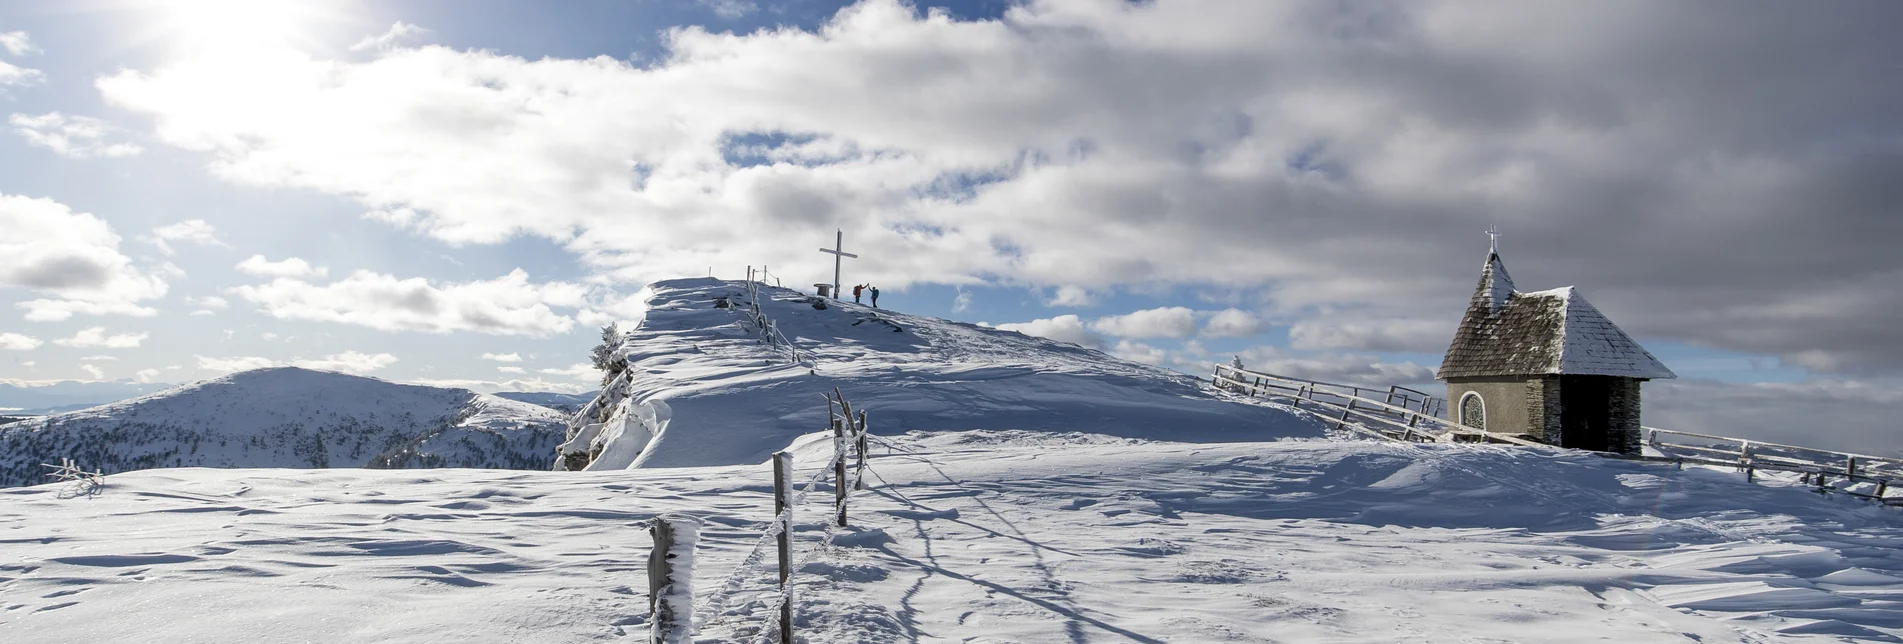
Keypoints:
pixel 875 297
pixel 855 292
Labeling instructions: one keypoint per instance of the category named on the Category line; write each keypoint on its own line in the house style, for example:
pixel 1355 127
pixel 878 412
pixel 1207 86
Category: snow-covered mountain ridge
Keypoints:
pixel 287 417
pixel 701 388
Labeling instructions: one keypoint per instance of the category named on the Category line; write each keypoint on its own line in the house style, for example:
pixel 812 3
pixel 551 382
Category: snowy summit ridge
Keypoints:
pixel 701 388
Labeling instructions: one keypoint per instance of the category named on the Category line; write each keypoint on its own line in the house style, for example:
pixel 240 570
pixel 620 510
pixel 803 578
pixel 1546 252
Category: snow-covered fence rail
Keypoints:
pixel 769 333
pixel 1816 466
pixel 849 444
pixel 1402 414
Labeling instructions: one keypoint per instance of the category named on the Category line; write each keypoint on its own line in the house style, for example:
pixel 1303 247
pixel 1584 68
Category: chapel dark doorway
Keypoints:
pixel 1585 416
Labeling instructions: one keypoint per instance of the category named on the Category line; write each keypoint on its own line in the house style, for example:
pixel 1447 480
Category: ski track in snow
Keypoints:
pixel 986 536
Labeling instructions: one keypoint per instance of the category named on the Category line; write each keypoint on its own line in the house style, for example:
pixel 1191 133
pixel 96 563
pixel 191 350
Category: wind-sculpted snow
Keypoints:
pixel 287 417
pixel 980 536
pixel 731 399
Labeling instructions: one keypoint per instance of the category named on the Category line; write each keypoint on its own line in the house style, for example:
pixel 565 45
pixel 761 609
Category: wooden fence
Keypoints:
pixel 1818 467
pixel 769 333
pixel 1400 414
pixel 670 582
pixel 1410 415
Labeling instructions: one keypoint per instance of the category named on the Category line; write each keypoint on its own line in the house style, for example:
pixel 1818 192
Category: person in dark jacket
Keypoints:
pixel 855 292
pixel 875 297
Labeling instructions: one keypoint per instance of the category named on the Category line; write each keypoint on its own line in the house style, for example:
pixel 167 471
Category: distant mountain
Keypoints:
pixel 288 417
pixel 68 395
pixel 565 403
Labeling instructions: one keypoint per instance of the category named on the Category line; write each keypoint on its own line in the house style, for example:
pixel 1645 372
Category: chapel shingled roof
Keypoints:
pixel 1556 332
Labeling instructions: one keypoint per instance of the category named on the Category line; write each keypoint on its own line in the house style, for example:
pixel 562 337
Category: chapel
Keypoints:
pixel 1546 365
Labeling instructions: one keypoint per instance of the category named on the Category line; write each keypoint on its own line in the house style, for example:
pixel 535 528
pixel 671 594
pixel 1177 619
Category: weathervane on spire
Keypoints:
pixel 1493 239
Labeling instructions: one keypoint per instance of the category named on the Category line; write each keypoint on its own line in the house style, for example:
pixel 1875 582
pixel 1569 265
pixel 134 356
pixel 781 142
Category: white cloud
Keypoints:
pixel 1165 322
pixel 355 362
pixel 1084 143
pixel 611 308
pixel 101 358
pixel 209 301
pixel 1232 323
pixel 516 370
pixel 730 9
pixel 1068 295
pixel 508 305
pixel 74 137
pixel 577 371
pixel 399 32
pixel 1139 352
pixel 1063 328
pixel 96 337
pixel 147 375
pixel 292 267
pixel 962 302
pixel 17 43
pixel 17 76
pixel 352 362
pixel 194 231
pixel 95 372
pixel 234 364
pixel 17 342
pixel 503 357
pixel 1372 334
pixel 72 257
pixel 492 386
pixel 1346 368
pixel 204 312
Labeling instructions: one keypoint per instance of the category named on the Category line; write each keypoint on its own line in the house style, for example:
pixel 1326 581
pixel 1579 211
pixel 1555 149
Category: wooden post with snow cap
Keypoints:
pixel 839 469
pixel 671 579
pixel 859 445
pixel 783 515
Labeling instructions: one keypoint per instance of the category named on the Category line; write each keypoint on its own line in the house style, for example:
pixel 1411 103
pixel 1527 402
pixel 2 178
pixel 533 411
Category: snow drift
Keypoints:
pixel 287 417
pixel 701 389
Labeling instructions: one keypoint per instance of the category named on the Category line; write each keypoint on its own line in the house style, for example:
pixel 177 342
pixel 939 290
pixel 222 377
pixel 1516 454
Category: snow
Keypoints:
pixel 288 417
pixel 733 400
pixel 1499 285
pixel 1019 490
pixel 983 536
pixel 677 598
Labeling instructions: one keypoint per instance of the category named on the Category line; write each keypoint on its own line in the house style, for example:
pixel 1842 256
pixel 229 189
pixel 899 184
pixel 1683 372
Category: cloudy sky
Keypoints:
pixel 461 191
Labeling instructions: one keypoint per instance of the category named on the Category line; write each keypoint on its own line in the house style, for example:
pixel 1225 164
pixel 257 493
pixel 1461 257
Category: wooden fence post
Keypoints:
pixel 783 513
pixel 670 593
pixel 839 469
pixel 859 475
pixel 1850 467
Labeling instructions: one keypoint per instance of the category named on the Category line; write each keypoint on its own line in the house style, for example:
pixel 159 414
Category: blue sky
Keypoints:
pixel 1304 184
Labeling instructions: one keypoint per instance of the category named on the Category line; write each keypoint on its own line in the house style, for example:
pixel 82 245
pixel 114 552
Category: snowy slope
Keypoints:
pixel 287 417
pixel 725 398
pixel 982 536
pixel 565 403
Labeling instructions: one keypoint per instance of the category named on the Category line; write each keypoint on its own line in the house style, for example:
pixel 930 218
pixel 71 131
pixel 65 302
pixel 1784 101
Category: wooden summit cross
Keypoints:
pixel 839 254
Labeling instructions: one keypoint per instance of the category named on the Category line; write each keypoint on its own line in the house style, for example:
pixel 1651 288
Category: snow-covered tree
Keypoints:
pixel 603 355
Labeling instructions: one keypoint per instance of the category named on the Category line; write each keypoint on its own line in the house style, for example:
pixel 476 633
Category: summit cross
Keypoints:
pixel 1493 240
pixel 839 253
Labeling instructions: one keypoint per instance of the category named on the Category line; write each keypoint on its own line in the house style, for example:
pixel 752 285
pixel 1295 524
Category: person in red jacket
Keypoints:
pixel 855 292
